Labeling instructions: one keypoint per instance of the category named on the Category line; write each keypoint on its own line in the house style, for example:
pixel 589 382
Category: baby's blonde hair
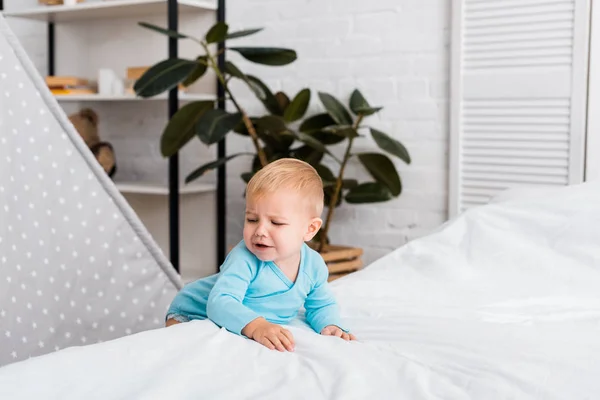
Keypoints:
pixel 290 174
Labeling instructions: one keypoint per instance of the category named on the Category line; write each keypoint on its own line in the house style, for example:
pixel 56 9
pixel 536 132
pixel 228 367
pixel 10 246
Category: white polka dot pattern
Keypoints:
pixel 73 270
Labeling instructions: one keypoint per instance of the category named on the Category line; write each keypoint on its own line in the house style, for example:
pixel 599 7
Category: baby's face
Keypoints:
pixel 277 224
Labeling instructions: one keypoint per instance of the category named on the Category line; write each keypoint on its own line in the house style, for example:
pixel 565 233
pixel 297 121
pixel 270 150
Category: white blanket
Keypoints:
pixel 502 303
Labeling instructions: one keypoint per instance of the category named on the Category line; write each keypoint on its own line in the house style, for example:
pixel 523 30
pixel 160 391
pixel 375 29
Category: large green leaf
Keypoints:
pixel 327 138
pixel 383 170
pixel 308 154
pixel 282 100
pixel 232 70
pixel 343 131
pixel 164 31
pixel 359 105
pixel 264 94
pixel 272 130
pixel 256 163
pixel 336 109
pixel 246 176
pixel 271 123
pixel 197 73
pixel 326 175
pixel 328 194
pixel 274 103
pixel 349 183
pixel 217 33
pixel 315 125
pixel 241 127
pixel 182 127
pixel 215 124
pixel 163 76
pixel 267 55
pixel 246 32
pixel 390 145
pixel 312 142
pixel 370 192
pixel 298 106
pixel 198 172
pixel 366 111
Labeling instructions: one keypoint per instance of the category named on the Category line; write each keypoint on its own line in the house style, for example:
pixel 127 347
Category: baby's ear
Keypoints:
pixel 313 228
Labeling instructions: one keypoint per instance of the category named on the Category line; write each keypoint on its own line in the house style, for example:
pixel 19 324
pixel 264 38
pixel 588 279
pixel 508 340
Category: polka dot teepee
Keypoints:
pixel 76 265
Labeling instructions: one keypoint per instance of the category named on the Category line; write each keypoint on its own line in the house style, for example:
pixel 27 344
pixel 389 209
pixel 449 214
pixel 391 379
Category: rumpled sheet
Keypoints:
pixel 501 303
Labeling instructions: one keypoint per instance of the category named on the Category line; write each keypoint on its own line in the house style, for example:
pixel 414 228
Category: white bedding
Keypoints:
pixel 502 303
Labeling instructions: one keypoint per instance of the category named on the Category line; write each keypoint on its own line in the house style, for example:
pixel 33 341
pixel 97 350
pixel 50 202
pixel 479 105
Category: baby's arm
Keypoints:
pixel 322 311
pixel 225 308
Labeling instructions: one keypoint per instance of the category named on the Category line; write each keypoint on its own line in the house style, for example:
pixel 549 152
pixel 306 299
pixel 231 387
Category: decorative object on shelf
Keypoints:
pixel 86 124
pixel 69 85
pixel 109 83
pixel 60 2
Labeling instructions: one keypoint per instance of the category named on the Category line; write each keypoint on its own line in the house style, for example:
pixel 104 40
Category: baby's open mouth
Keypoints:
pixel 261 246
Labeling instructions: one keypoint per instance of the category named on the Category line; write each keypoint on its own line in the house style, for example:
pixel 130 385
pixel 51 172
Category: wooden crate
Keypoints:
pixel 342 260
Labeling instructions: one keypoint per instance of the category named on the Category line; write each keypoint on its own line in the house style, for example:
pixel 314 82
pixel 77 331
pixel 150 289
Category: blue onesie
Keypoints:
pixel 247 288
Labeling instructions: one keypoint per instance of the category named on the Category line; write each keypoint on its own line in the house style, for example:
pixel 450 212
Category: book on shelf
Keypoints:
pixel 73 91
pixel 69 85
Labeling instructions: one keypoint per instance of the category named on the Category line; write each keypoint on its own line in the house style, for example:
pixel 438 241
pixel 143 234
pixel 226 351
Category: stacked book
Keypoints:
pixel 55 2
pixel 69 85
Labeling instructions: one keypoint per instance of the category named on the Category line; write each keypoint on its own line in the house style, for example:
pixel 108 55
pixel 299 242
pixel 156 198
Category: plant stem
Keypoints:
pixel 247 122
pixel 338 189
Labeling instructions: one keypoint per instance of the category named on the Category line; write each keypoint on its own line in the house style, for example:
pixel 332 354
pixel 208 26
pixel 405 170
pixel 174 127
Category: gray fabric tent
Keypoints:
pixel 76 264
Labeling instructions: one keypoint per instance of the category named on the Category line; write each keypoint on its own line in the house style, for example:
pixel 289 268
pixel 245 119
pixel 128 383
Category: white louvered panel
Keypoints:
pixel 540 20
pixel 502 144
pixel 478 42
pixel 513 161
pixel 499 157
pixel 525 32
pixel 518 94
pixel 474 5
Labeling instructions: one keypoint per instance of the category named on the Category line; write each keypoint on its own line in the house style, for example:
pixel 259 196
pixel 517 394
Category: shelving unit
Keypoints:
pixel 108 9
pixel 78 25
pixel 98 97
pixel 155 189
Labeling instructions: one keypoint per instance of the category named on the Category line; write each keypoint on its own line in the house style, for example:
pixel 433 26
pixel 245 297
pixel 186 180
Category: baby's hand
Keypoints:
pixel 333 330
pixel 270 335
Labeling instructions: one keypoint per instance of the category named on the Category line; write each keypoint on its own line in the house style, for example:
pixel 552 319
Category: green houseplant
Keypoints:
pixel 338 125
pixel 283 131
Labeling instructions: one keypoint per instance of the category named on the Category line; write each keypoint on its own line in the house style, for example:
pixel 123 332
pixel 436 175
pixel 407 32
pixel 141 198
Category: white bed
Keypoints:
pixel 501 303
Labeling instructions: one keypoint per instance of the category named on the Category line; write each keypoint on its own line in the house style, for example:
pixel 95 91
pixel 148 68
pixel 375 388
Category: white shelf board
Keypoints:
pixel 108 9
pixel 127 97
pixel 163 190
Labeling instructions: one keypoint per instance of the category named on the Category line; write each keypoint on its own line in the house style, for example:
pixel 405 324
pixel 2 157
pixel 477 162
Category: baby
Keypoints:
pixel 272 273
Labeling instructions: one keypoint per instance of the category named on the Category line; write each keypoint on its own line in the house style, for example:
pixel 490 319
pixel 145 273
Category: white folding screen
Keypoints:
pixel 592 157
pixel 519 87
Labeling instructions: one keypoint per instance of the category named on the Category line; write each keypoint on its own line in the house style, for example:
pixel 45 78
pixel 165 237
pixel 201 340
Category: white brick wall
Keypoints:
pixel 397 53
